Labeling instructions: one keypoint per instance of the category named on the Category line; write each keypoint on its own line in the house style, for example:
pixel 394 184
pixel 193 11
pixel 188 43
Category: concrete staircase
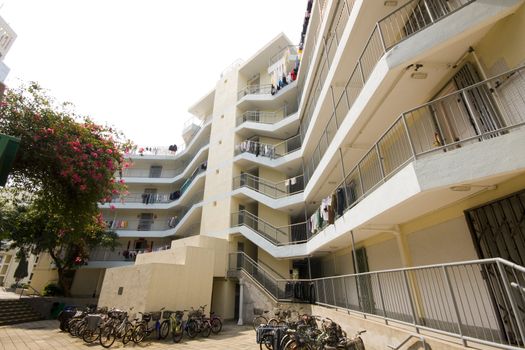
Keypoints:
pixel 14 311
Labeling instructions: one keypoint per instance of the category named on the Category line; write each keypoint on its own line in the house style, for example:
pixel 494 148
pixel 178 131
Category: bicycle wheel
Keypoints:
pixel 164 329
pixel 79 330
pixel 294 345
pixel 177 334
pixel 206 329
pixel 192 328
pixel 128 335
pixel 266 342
pixel 107 336
pixel 73 327
pixel 282 323
pixel 216 325
pixel 139 333
pixel 89 335
pixel 259 320
pixel 273 322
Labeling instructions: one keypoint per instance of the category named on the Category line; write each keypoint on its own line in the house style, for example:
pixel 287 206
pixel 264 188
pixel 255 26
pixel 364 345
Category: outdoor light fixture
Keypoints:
pixel 418 75
pixel 391 3
pixel 467 187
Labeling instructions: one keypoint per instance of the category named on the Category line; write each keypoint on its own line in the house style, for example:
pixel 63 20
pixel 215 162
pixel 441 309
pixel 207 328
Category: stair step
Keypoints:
pixel 17 311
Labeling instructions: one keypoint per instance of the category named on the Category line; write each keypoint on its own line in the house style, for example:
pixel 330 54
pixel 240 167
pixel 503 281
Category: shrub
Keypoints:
pixel 52 289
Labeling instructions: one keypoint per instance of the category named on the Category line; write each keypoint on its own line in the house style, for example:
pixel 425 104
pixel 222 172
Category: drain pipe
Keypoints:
pixel 240 322
pixel 356 268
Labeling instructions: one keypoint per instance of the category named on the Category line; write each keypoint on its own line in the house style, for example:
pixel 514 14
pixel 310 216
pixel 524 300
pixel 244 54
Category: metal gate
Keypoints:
pixel 498 231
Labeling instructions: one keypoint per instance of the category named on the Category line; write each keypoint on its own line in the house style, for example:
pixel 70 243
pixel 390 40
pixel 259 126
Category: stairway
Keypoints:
pixel 15 311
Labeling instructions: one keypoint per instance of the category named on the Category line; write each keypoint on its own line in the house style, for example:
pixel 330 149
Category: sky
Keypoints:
pixel 139 65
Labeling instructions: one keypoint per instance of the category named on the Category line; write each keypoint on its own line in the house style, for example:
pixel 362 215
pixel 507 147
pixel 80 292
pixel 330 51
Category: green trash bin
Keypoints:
pixel 56 309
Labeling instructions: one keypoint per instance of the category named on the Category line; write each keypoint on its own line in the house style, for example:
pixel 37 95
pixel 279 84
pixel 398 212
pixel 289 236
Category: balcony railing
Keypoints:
pixel 268 150
pixel 271 189
pixel 7 37
pixel 388 32
pixel 479 112
pixel 165 173
pixel 265 89
pixel 129 224
pixel 328 50
pixel 291 50
pixel 120 254
pixel 265 117
pixel 283 235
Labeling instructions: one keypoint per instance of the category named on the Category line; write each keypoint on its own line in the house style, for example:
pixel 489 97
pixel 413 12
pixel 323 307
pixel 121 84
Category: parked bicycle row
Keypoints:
pixel 109 325
pixel 290 329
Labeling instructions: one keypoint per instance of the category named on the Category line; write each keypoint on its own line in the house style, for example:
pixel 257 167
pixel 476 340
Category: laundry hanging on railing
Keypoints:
pixel 173 221
pixel 259 149
pixel 116 224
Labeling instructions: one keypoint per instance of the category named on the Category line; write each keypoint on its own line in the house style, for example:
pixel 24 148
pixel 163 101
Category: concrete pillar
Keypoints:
pixel 402 245
pixel 241 302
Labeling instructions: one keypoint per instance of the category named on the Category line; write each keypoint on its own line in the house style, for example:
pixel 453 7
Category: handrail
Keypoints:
pixel 270 232
pixel 263 89
pixel 28 286
pixel 265 117
pixel 281 53
pixel 271 151
pixel 272 189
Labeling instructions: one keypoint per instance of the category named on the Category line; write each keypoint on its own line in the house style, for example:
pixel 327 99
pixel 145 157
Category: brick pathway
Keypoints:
pixel 46 335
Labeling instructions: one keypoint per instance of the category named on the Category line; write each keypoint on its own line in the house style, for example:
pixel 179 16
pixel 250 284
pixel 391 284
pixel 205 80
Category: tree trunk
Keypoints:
pixel 65 280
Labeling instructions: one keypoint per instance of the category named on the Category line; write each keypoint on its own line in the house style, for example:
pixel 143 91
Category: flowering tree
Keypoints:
pixel 65 166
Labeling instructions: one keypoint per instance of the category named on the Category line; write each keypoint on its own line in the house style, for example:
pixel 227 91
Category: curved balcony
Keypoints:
pixel 276 195
pixel 159 152
pixel 127 226
pixel 286 153
pixel 260 96
pixel 276 124
pixel 282 235
pixel 166 176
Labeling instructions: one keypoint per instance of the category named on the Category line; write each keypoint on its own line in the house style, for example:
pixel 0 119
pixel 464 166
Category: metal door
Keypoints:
pixel 498 231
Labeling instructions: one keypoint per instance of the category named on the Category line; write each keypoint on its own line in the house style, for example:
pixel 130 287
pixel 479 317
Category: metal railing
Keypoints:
pixel 328 49
pixel 386 33
pixel 265 117
pixel 7 37
pixel 162 224
pixel 283 53
pixel 275 190
pixel 283 235
pixel 479 112
pixel 194 125
pixel 264 89
pixel 165 173
pixel 481 301
pixel 268 150
pixel 280 289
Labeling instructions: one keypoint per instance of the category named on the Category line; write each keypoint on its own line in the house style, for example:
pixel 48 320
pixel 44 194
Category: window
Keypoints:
pixel 155 171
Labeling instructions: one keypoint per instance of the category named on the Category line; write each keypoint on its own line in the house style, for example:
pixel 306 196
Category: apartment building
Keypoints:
pixel 376 169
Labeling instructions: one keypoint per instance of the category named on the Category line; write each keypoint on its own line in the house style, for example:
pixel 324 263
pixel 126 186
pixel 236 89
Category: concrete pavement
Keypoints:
pixel 46 335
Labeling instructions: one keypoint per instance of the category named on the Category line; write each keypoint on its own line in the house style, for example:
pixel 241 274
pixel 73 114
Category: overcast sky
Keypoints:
pixel 136 64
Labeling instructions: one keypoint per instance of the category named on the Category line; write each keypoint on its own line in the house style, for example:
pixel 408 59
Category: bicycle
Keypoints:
pixel 197 323
pixel 216 323
pixel 142 330
pixel 117 327
pixel 259 319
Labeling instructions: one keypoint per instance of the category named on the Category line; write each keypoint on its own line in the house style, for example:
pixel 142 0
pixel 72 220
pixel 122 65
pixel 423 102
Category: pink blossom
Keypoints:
pixel 112 207
pixel 83 187
pixel 109 151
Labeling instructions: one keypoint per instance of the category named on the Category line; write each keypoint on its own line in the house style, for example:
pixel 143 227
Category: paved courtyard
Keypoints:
pixel 46 335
